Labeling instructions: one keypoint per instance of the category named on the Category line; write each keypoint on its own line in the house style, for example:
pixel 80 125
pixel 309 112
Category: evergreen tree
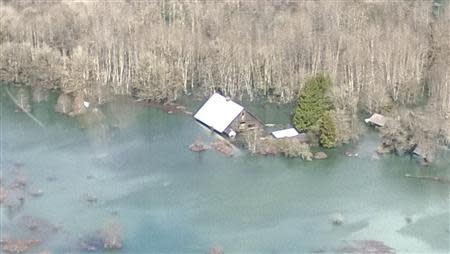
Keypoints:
pixel 312 103
pixel 327 130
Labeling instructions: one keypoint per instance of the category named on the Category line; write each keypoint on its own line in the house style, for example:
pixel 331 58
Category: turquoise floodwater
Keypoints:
pixel 136 162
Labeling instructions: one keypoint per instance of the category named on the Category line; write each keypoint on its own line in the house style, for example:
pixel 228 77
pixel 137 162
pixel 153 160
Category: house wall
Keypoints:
pixel 245 121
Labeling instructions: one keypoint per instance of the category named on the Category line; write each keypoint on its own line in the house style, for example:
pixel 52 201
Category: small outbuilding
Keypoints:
pixel 286 133
pixel 377 120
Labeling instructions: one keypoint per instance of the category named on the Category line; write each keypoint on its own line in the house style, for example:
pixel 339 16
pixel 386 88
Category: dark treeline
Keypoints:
pixel 381 56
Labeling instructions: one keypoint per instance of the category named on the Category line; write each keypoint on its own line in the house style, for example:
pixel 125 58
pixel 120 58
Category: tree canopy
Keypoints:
pixel 313 110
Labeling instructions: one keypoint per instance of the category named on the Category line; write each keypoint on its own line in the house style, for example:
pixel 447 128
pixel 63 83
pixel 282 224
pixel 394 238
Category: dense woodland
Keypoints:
pixel 390 57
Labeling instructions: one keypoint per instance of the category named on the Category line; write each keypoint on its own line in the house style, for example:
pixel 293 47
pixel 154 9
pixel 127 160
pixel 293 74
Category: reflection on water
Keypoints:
pixel 131 164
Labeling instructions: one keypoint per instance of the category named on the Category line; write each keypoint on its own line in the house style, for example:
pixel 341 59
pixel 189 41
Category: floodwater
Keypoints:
pixel 135 161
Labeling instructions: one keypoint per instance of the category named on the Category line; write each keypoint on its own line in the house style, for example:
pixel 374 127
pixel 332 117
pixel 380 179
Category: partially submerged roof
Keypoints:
pixel 377 119
pixel 418 152
pixel 218 112
pixel 286 133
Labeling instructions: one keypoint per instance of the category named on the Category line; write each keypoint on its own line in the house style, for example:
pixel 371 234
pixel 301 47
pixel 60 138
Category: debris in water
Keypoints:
pixel 223 147
pixel 365 246
pixel 320 156
pixel 337 219
pixel 90 198
pixel 198 147
pixel 108 238
pixel 432 178
pixel 375 156
pixel 216 250
pixel 21 179
pixel 18 246
pixel 36 192
pixel 91 243
pixel 112 235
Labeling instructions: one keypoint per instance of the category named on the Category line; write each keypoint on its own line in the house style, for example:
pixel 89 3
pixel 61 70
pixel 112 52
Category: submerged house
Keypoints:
pixel 226 116
pixel 377 120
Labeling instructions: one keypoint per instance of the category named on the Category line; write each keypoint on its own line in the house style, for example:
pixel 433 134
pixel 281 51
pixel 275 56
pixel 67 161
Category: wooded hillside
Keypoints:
pixel 381 56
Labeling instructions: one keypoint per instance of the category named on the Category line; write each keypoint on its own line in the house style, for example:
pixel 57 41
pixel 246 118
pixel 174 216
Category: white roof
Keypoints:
pixel 218 112
pixel 377 119
pixel 286 133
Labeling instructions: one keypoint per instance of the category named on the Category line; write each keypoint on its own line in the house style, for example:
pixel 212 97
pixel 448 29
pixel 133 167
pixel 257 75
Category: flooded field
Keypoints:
pixel 128 173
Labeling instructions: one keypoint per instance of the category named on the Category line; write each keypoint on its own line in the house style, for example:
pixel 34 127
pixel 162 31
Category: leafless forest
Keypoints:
pixel 383 56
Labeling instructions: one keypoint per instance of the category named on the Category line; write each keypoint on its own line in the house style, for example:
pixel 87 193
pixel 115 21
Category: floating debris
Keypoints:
pixel 351 154
pixel 108 238
pixel 365 246
pixel 14 202
pixel 36 192
pixel 18 246
pixel 198 147
pixel 112 236
pixel 223 147
pixel 432 178
pixel 216 250
pixel 337 219
pixel 20 179
pixel 180 108
pixel 38 228
pixel 320 156
pixel 91 243
pixel 90 198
